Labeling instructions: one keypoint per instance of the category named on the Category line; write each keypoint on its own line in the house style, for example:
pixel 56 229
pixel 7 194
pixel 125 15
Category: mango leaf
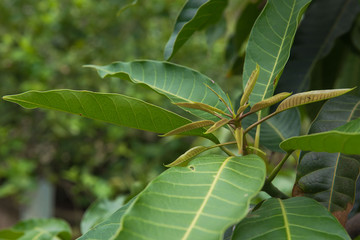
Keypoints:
pixel 38 229
pixel 195 15
pixel 112 108
pixel 200 106
pixel 275 130
pixel 343 139
pixel 178 83
pixel 250 84
pixel 300 99
pixel 183 159
pixel 189 126
pixel 330 177
pixel 294 218
pixel 99 211
pixel 269 102
pixel 199 201
pixel 315 38
pixel 218 125
pixel 269 44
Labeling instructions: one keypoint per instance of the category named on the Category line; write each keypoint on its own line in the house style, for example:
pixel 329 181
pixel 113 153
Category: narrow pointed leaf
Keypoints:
pixel 310 97
pixel 112 108
pixel 189 127
pixel 178 83
pixel 201 106
pixel 330 178
pixel 239 137
pixel 294 218
pixel 218 125
pixel 324 22
pixel 250 85
pixel 242 109
pixel 269 44
pixel 277 129
pixel 199 201
pixel 269 102
pixel 34 229
pixel 187 156
pixel 195 15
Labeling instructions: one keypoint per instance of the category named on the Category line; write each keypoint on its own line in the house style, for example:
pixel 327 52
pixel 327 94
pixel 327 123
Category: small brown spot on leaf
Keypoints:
pixel 192 168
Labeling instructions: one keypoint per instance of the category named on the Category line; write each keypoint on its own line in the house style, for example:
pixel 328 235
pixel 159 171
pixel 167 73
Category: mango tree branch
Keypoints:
pixel 277 168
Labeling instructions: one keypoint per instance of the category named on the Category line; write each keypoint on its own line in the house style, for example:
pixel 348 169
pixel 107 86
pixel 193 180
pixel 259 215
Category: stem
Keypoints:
pixel 227 151
pixel 260 121
pixel 222 147
pixel 277 168
pixel 257 137
pixel 273 191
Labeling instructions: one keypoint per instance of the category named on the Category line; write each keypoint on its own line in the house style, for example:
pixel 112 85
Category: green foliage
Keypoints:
pixel 209 196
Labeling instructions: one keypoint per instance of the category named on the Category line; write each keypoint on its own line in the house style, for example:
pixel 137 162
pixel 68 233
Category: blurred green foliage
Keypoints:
pixel 43 45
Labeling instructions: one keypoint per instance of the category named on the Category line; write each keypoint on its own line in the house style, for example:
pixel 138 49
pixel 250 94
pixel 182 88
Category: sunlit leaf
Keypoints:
pixel 269 44
pixel 195 15
pixel 112 108
pixel 294 218
pixel 178 83
pixel 199 201
pixel 310 97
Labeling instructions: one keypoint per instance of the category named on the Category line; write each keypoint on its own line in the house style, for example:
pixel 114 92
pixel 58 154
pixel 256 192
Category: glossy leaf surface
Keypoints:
pixel 195 15
pixel 112 108
pixel 294 218
pixel 330 177
pixel 275 130
pixel 324 22
pixel 38 229
pixel 178 83
pixel 199 201
pixel 269 44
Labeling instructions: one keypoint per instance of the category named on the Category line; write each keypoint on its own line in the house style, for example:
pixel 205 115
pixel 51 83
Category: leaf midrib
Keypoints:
pixel 286 221
pixel 206 199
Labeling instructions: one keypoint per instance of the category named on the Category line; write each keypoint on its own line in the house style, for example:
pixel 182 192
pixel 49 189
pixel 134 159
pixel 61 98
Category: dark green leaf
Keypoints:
pixel 178 83
pixel 112 108
pixel 269 44
pixel 324 22
pixel 199 201
pixel 195 15
pixel 294 218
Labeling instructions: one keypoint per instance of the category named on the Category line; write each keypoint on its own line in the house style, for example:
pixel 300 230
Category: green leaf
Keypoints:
pixel 195 15
pixel 112 108
pixel 250 84
pixel 178 83
pixel 294 218
pixel 199 201
pixel 38 229
pixel 269 44
pixel 275 130
pixel 269 101
pixel 303 98
pixel 189 126
pixel 184 158
pixel 99 211
pixel 324 22
pixel 330 177
pixel 218 125
pixel 124 4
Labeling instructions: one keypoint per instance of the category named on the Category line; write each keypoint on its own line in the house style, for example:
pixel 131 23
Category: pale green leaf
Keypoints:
pixel 199 201
pixel 187 156
pixel 189 126
pixel 249 87
pixel 218 125
pixel 294 218
pixel 112 108
pixel 178 83
pixel 269 101
pixel 269 44
pixel 201 106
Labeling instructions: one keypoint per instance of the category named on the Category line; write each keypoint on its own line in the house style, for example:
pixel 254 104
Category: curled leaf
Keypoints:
pixel 188 155
pixel 310 97
pixel 250 85
pixel 201 106
pixel 269 101
pixel 217 125
pixel 188 127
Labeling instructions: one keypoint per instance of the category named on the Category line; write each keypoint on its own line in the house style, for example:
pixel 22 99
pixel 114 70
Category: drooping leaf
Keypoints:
pixel 178 83
pixel 195 15
pixel 189 126
pixel 199 201
pixel 324 22
pixel 218 125
pixel 330 177
pixel 269 102
pixel 294 218
pixel 112 108
pixel 38 229
pixel 187 156
pixel 276 129
pixel 269 44
pixel 300 99
pixel 99 211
